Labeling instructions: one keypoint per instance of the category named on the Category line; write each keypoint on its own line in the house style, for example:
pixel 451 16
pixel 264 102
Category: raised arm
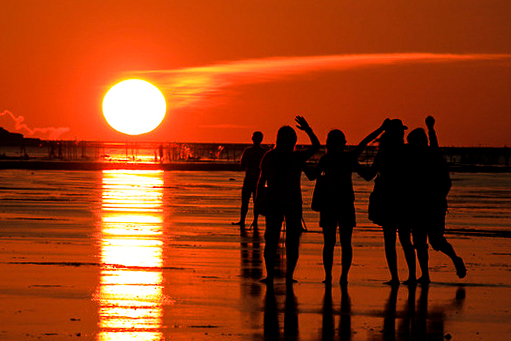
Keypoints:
pixel 369 138
pixel 302 124
pixel 433 140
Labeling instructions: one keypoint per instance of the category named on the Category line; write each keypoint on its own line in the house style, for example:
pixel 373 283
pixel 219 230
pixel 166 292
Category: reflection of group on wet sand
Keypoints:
pixel 408 316
pixel 416 320
pixel 409 196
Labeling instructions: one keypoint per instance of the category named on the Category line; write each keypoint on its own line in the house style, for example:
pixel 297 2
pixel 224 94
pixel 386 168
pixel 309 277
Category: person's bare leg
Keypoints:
pixel 271 237
pixel 328 252
pixel 346 253
pixel 410 257
pixel 447 249
pixel 389 236
pixel 420 241
pixel 292 257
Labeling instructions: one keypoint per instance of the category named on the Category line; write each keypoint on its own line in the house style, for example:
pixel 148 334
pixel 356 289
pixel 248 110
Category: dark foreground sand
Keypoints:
pixel 209 289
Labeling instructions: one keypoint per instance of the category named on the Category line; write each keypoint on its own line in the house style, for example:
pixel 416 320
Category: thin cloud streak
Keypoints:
pixel 49 133
pixel 224 126
pixel 188 86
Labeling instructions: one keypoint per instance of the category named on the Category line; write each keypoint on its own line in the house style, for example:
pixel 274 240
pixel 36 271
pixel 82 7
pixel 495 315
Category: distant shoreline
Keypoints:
pixel 182 166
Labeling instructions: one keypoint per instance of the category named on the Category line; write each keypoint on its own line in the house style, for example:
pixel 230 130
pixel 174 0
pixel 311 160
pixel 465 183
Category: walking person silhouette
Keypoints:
pixel 428 186
pixel 251 161
pixel 387 201
pixel 281 170
pixel 338 198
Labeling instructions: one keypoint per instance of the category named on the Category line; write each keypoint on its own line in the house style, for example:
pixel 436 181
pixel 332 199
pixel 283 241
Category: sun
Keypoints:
pixel 134 107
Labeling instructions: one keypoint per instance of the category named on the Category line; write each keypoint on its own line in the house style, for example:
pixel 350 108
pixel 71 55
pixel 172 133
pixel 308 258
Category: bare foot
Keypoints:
pixel 239 223
pixel 290 280
pixel 392 282
pixel 328 279
pixel 267 280
pixel 461 270
pixel 424 280
pixel 410 281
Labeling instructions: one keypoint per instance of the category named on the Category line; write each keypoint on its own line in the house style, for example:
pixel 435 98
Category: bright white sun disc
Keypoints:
pixel 134 107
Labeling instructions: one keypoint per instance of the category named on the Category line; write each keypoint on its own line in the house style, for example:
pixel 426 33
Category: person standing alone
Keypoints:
pixel 251 161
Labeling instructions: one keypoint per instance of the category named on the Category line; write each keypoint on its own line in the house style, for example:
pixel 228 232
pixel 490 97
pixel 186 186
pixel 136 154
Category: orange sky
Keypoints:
pixel 230 67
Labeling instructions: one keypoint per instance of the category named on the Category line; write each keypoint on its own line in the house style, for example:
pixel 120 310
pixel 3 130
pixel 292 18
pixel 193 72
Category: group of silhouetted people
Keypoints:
pixel 411 183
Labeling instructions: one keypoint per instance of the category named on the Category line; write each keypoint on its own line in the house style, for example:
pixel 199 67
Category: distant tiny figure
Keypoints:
pixel 160 152
pixel 387 201
pixel 339 198
pixel 251 162
pixel 428 186
pixel 279 185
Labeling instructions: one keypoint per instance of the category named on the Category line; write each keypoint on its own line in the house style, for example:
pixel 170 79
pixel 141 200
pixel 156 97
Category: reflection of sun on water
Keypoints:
pixel 131 285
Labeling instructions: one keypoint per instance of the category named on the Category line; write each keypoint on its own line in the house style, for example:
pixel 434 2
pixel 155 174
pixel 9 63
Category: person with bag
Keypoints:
pixel 334 197
pixel 281 170
pixel 387 202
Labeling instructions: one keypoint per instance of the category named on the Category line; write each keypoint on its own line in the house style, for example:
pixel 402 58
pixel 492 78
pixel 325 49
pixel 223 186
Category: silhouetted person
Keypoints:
pixel 160 153
pixel 281 170
pixel 429 186
pixel 339 198
pixel 419 173
pixel 389 168
pixel 251 161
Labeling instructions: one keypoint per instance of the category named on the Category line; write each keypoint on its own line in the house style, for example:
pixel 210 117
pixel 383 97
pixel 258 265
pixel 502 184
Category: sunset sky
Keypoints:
pixel 229 67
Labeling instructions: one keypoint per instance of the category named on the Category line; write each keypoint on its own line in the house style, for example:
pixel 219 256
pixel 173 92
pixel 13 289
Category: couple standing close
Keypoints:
pixel 279 197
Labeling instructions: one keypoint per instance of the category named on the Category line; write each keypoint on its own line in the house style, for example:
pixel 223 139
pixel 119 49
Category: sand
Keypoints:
pixel 183 272
pixel 53 290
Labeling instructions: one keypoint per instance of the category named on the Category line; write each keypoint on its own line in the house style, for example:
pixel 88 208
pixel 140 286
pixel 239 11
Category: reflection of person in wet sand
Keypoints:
pixel 271 324
pixel 250 161
pixel 387 199
pixel 338 198
pixel 281 170
pixel 428 186
pixel 421 323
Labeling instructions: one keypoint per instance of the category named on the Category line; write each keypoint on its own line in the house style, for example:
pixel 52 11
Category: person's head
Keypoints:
pixel 286 138
pixel 335 141
pixel 417 138
pixel 394 134
pixel 396 128
pixel 257 137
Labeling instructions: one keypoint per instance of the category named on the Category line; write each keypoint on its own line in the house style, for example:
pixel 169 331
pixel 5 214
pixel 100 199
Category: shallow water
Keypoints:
pixel 150 255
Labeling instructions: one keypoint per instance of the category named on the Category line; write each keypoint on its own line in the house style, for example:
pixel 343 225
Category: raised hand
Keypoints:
pixel 302 123
pixel 430 122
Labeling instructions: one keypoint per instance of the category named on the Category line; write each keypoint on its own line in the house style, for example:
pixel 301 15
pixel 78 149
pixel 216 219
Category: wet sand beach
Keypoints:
pixel 152 255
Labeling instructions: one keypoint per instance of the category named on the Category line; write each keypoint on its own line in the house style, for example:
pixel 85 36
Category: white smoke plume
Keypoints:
pixel 49 133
